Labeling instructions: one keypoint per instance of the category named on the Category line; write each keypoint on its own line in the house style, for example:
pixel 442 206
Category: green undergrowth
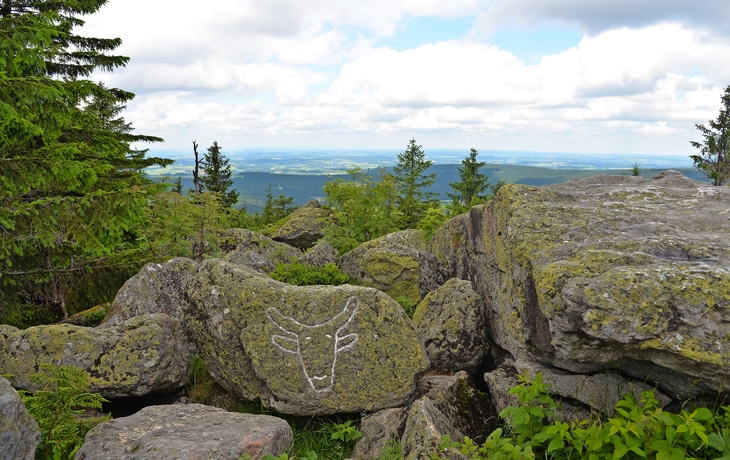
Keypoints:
pixel 64 410
pixel 299 274
pixel 640 429
pixel 408 305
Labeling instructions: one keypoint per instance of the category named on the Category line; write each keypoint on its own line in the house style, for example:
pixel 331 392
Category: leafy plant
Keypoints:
pixel 59 409
pixel 299 274
pixel 408 305
pixel 640 429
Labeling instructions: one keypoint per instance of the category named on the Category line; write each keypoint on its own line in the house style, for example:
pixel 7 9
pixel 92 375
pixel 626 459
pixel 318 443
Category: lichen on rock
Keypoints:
pixel 303 350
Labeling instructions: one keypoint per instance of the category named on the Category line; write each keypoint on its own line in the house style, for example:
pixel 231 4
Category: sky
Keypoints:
pixel 579 76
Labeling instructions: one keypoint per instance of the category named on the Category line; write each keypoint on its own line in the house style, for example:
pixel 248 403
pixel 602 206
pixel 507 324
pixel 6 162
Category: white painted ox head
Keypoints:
pixel 317 346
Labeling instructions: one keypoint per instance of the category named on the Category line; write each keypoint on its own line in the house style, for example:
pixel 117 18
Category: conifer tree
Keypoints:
pixel 217 175
pixel 411 179
pixel 72 192
pixel 714 156
pixel 472 182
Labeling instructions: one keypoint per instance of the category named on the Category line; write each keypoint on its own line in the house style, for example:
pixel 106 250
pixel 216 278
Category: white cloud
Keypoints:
pixel 301 71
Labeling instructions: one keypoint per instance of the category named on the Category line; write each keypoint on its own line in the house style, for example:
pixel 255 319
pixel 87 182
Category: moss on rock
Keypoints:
pixel 303 350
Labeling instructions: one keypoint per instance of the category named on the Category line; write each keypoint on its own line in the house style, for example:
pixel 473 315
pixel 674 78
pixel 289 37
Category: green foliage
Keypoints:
pixel 325 439
pixel 640 429
pixel 714 156
pixel 393 450
pixel 181 226
pixel 408 305
pixel 362 208
pixel 299 274
pixel 59 410
pixel 431 222
pixel 636 170
pixel 471 182
pixel 72 190
pixel 412 180
pixel 217 176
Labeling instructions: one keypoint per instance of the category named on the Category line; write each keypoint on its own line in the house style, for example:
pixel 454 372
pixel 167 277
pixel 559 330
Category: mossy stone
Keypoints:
pixel 303 350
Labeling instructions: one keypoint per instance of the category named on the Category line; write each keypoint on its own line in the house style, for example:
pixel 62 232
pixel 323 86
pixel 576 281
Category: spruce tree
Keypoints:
pixel 471 183
pixel 72 191
pixel 411 179
pixel 714 156
pixel 217 175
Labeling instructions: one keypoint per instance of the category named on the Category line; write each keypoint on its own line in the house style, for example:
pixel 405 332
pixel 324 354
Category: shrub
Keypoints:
pixel 300 274
pixel 640 429
pixel 60 410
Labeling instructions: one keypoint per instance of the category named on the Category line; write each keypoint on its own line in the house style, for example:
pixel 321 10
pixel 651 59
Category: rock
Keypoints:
pixel 378 430
pixel 303 350
pixel 258 251
pixel 424 428
pixel 157 288
pixel 599 391
pixel 397 264
pixel 91 317
pixel 499 381
pixel 320 255
pixel 145 354
pixel 452 324
pixel 303 228
pixel 503 378
pixel 610 272
pixel 19 433
pixel 468 410
pixel 186 432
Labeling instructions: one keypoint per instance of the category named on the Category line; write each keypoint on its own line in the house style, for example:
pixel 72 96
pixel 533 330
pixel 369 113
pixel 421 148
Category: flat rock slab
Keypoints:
pixel 186 432
pixel 303 350
pixel 19 433
pixel 604 273
pixel 145 354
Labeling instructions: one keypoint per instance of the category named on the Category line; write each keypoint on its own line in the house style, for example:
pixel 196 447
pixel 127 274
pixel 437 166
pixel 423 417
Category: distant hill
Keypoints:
pixel 252 186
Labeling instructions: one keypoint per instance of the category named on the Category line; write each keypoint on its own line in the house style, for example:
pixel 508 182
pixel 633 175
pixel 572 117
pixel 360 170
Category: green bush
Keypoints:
pixel 60 410
pixel 408 305
pixel 299 274
pixel 638 430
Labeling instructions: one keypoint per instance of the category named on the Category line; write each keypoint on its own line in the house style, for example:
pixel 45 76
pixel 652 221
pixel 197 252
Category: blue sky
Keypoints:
pixel 580 76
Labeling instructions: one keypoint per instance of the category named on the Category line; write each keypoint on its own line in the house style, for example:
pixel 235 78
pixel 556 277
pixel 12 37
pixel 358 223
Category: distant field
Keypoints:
pixel 252 185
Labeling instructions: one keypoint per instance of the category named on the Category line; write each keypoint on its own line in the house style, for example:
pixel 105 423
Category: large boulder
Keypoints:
pixel 303 350
pixel 320 255
pixel 303 228
pixel 425 427
pixel 145 354
pixel 468 410
pixel 157 288
pixel 378 431
pixel 398 264
pixel 451 321
pixel 186 432
pixel 258 251
pixel 604 273
pixel 19 433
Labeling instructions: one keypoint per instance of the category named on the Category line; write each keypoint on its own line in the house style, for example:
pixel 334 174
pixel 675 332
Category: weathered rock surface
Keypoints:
pixel 258 251
pixel 19 433
pixel 599 391
pixel 186 432
pixel 451 321
pixel 424 428
pixel 398 264
pixel 303 350
pixel 378 430
pixel 467 409
pixel 603 273
pixel 320 255
pixel 157 288
pixel 145 354
pixel 303 228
